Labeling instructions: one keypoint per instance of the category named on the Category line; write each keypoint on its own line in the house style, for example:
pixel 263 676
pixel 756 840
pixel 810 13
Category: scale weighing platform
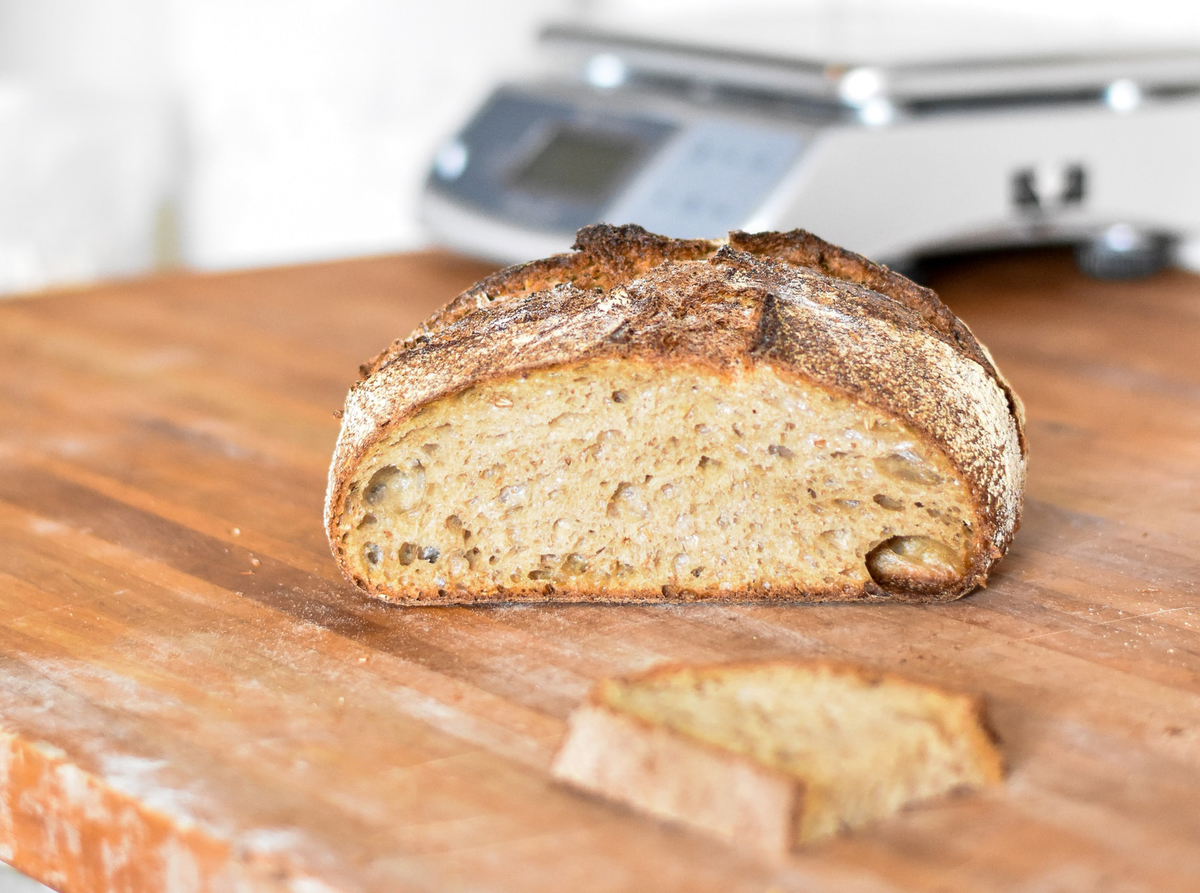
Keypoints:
pixel 828 126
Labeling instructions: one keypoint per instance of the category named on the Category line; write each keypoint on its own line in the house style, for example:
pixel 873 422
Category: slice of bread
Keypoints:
pixel 774 755
pixel 649 419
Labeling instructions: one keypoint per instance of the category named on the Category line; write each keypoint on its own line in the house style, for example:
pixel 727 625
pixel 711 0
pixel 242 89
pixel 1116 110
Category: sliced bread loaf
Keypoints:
pixel 765 418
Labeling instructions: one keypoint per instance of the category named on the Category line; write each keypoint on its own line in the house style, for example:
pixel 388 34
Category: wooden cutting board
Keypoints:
pixel 191 698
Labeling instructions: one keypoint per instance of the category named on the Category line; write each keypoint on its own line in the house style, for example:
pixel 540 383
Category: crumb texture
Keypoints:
pixel 862 746
pixel 615 478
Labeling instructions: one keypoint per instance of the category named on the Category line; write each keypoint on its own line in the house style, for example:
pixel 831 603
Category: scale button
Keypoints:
pixel 451 160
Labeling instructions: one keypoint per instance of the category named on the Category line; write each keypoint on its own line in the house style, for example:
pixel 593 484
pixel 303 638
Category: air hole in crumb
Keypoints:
pixel 401 487
pixel 707 462
pixel 905 465
pixel 514 496
pixel 781 451
pixel 627 503
pixel 377 486
pixel 430 554
pixel 619 396
pixel 374 553
pixel 408 553
pixel 914 564
pixel 567 420
pixel 574 564
pixel 888 502
pixel 697 571
pixel 839 539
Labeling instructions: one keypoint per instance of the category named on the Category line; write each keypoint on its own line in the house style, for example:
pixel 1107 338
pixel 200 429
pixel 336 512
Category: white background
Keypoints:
pixel 226 133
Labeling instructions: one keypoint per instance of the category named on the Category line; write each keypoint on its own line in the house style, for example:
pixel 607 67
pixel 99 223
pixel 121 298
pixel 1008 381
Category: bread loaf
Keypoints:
pixel 645 419
pixel 776 754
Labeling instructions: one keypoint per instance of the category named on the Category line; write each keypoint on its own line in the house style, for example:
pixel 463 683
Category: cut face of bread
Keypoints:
pixel 778 754
pixel 651 420
pixel 611 478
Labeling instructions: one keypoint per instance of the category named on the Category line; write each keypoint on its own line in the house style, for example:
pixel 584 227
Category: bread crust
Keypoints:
pixel 807 308
pixel 673 776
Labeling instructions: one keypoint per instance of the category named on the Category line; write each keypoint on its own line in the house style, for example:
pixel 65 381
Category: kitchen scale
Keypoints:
pixel 876 130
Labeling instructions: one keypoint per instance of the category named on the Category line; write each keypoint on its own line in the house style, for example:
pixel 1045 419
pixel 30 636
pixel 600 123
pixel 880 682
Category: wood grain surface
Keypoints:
pixel 191 698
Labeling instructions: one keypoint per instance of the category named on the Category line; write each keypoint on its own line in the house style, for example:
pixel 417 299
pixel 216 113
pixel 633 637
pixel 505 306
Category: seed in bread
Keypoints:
pixel 649 419
pixel 778 754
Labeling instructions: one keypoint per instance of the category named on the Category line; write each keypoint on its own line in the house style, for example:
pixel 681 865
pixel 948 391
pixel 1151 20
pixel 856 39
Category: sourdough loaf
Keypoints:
pixel 777 754
pixel 645 419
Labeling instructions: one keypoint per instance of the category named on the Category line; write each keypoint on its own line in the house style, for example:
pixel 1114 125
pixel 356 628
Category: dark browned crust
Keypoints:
pixel 863 332
pixel 800 248
pixel 603 257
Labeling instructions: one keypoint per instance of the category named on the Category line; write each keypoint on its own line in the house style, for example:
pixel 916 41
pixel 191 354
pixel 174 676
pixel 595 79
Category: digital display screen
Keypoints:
pixel 579 164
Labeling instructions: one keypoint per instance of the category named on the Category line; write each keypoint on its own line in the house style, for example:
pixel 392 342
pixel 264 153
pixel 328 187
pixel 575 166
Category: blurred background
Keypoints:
pixel 214 134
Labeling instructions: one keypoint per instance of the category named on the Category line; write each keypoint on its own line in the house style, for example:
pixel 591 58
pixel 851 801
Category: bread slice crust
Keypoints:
pixel 862 332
